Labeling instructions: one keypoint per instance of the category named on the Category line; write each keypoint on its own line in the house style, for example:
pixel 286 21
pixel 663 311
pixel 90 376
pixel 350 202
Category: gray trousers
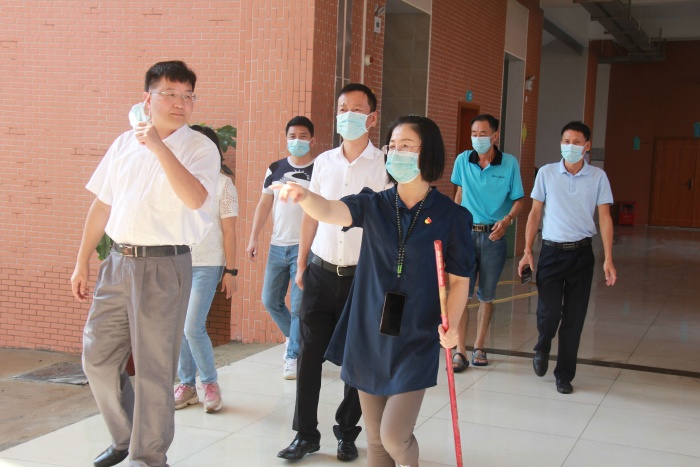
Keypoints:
pixel 389 423
pixel 139 308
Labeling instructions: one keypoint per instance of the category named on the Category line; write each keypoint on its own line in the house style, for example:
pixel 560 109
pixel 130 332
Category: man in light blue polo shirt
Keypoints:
pixel 489 186
pixel 567 193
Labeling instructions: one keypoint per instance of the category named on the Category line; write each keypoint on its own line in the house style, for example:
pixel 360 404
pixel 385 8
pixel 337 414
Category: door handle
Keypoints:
pixel 689 184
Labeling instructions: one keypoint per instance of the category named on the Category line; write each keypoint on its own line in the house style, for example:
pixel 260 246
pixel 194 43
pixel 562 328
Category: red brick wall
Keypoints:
pixel 272 83
pixel 71 74
pixel 649 100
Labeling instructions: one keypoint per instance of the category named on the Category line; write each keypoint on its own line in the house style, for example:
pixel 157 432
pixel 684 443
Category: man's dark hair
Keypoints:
pixel 431 159
pixel 300 120
pixel 371 98
pixel 578 126
pixel 175 71
pixel 493 121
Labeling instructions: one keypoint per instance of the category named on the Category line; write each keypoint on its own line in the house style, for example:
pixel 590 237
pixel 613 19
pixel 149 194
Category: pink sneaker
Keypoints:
pixel 212 397
pixel 185 395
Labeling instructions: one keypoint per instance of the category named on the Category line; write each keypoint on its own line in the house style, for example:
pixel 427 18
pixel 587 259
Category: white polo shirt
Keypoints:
pixel 333 178
pixel 145 208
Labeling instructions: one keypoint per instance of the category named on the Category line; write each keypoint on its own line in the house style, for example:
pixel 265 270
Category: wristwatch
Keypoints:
pixel 511 219
pixel 233 272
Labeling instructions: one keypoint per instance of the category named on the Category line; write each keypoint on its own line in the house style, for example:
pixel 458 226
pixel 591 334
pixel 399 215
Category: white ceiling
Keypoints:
pixel 678 19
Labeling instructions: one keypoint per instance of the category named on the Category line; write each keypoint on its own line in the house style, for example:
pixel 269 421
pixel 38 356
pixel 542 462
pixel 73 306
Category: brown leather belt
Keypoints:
pixel 339 270
pixel 568 246
pixel 136 251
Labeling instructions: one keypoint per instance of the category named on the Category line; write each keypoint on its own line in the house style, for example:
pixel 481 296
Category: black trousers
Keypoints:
pixel 322 302
pixel 564 285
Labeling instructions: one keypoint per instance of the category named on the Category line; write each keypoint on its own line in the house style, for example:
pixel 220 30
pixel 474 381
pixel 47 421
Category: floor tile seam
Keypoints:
pixel 642 448
pixel 256 420
pixel 202 449
pixel 528 371
pixel 262 394
pixel 33 462
pixel 537 397
pixel 637 446
pixel 599 405
pixel 509 428
pixel 604 364
pixel 650 411
pixel 668 297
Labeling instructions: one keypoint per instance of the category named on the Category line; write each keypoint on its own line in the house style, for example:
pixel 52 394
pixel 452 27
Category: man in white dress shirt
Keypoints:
pixel 342 171
pixel 154 190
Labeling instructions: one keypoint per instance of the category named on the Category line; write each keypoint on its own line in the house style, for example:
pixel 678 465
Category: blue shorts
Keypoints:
pixel 489 259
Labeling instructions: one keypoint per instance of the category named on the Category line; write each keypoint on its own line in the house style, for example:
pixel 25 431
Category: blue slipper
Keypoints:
pixel 479 357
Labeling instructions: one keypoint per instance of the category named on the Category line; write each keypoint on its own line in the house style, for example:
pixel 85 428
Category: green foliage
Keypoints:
pixel 103 247
pixel 227 136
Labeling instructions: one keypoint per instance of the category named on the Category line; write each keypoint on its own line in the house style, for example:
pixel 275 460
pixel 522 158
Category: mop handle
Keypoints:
pixel 448 352
pixel 441 283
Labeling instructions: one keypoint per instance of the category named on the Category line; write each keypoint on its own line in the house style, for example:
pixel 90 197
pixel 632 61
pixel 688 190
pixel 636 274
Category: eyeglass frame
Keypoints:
pixel 401 148
pixel 190 98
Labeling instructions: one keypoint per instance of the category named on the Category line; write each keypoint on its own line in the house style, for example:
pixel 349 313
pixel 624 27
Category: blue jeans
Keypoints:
pixel 281 267
pixel 196 350
pixel 490 257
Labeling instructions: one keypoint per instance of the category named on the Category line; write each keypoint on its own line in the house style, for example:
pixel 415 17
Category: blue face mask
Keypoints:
pixel 571 153
pixel 481 144
pixel 298 147
pixel 403 166
pixel 352 125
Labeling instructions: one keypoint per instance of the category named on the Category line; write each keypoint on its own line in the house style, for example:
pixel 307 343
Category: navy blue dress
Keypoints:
pixel 385 365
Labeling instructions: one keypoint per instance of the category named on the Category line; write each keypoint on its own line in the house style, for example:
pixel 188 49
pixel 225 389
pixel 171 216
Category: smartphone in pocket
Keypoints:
pixel 392 313
pixel 526 275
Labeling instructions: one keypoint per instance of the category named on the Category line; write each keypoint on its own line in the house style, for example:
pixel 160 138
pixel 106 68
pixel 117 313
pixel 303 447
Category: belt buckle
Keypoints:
pixel 337 270
pixel 568 246
pixel 479 228
pixel 127 250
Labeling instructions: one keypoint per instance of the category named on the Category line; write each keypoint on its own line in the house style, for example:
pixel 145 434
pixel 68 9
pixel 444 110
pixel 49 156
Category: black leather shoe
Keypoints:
pixel 110 457
pixel 298 449
pixel 540 363
pixel 564 387
pixel 347 451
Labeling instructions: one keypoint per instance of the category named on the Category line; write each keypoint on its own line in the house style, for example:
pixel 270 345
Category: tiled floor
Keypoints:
pixel 508 416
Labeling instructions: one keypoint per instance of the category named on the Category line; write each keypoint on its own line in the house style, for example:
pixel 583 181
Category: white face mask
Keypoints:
pixel 352 125
pixel 137 114
pixel 572 153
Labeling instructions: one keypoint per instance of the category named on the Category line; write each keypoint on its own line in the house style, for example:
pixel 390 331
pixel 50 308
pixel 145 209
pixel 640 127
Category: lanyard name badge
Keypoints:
pixel 392 311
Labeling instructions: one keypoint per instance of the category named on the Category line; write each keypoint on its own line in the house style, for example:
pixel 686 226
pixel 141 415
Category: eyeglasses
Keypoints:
pixel 187 97
pixel 401 148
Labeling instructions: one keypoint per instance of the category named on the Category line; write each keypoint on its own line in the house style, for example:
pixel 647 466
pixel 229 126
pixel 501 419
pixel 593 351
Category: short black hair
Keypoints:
pixel 578 126
pixel 371 98
pixel 493 121
pixel 431 160
pixel 300 120
pixel 174 70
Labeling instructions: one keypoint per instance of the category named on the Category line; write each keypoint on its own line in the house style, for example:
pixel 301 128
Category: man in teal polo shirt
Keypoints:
pixel 489 185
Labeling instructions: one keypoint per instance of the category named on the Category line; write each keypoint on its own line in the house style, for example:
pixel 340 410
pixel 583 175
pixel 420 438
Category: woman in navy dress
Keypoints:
pixel 388 338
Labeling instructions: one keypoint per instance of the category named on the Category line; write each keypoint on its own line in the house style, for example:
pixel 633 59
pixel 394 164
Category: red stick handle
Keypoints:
pixel 448 352
pixel 437 244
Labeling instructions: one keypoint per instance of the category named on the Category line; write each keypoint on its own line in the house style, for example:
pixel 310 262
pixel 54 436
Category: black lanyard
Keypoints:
pixel 402 242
